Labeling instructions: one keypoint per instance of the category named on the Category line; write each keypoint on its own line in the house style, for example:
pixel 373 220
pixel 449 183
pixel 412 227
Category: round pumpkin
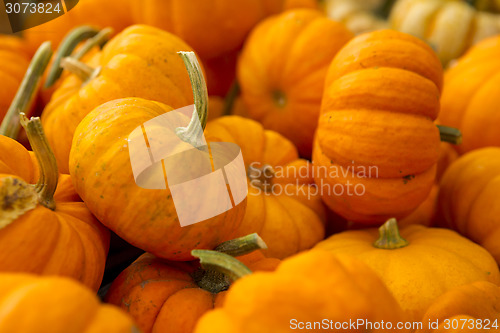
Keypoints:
pixel 471 95
pixel 469 198
pixel 139 62
pixel 376 146
pixel 283 204
pixel 31 304
pixel 418 265
pixel 306 288
pixel 282 69
pixel 43 232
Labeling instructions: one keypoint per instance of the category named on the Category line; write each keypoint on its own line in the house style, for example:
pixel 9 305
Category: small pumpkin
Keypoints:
pixel 469 308
pixel 305 288
pixel 469 198
pixel 139 62
pixel 45 229
pixel 171 296
pixel 358 16
pixel 376 146
pixel 282 69
pixel 471 96
pixel 31 304
pixel 283 204
pixel 418 265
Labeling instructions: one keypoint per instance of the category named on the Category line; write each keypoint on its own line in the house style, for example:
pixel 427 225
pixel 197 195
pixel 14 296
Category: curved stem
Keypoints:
pixel 67 46
pixel 230 98
pixel 450 134
pixel 80 69
pixel 25 95
pixel 223 263
pixel 47 183
pixel 242 245
pixel 98 40
pixel 193 134
pixel 389 236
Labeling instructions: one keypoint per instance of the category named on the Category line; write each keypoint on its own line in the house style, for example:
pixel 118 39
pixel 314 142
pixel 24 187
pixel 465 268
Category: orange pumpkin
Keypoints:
pixel 43 232
pixel 376 146
pixel 471 95
pixel 139 62
pixel 469 198
pixel 470 308
pixel 282 69
pixel 306 289
pixel 418 265
pixel 284 206
pixel 63 306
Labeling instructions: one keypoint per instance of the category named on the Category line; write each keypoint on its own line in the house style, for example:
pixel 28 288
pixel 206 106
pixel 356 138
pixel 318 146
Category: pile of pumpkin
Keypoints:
pixel 295 90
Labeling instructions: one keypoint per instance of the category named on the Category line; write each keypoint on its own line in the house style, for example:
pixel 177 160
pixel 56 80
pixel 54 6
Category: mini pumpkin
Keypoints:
pixel 418 265
pixel 469 198
pixel 376 146
pixel 282 69
pixel 63 306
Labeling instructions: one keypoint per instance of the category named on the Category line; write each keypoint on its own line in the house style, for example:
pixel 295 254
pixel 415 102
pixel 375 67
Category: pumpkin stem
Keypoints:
pixel 221 262
pixel 261 177
pixel 47 183
pixel 242 245
pixel 193 134
pixel 389 236
pixel 450 134
pixel 25 95
pixel 68 45
pixel 80 69
pixel 230 98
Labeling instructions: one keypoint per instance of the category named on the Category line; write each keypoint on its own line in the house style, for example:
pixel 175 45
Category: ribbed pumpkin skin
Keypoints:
pixel 140 62
pixel 68 241
pixel 101 171
pixel 282 69
pixel 162 296
pixel 290 221
pixel 435 261
pixel 308 287
pixel 64 306
pixel 471 96
pixel 476 301
pixel 14 62
pixel 376 127
pixel 101 14
pixel 469 198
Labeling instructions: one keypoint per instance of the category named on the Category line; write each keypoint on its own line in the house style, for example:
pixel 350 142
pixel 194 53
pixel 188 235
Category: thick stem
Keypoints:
pixel 193 133
pixel 67 46
pixel 450 134
pixel 98 40
pixel 242 245
pixel 80 69
pixel 390 238
pixel 27 90
pixel 231 267
pixel 230 98
pixel 47 183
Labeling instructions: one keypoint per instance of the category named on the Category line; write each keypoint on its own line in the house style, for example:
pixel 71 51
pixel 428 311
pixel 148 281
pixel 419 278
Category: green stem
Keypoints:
pixel 221 262
pixel 230 98
pixel 47 183
pixel 27 90
pixel 390 238
pixel 242 245
pixel 67 46
pixel 98 40
pixel 450 134
pixel 80 69
pixel 193 134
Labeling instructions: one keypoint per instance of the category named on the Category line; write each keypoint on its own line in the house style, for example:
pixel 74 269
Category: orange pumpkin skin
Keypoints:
pixel 163 296
pixel 434 261
pixel 471 96
pixel 140 62
pixel 478 300
pixel 101 14
pixel 282 77
pixel 289 218
pixel 101 171
pixel 68 241
pixel 304 287
pixel 14 62
pixel 376 142
pixel 65 306
pixel 469 198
